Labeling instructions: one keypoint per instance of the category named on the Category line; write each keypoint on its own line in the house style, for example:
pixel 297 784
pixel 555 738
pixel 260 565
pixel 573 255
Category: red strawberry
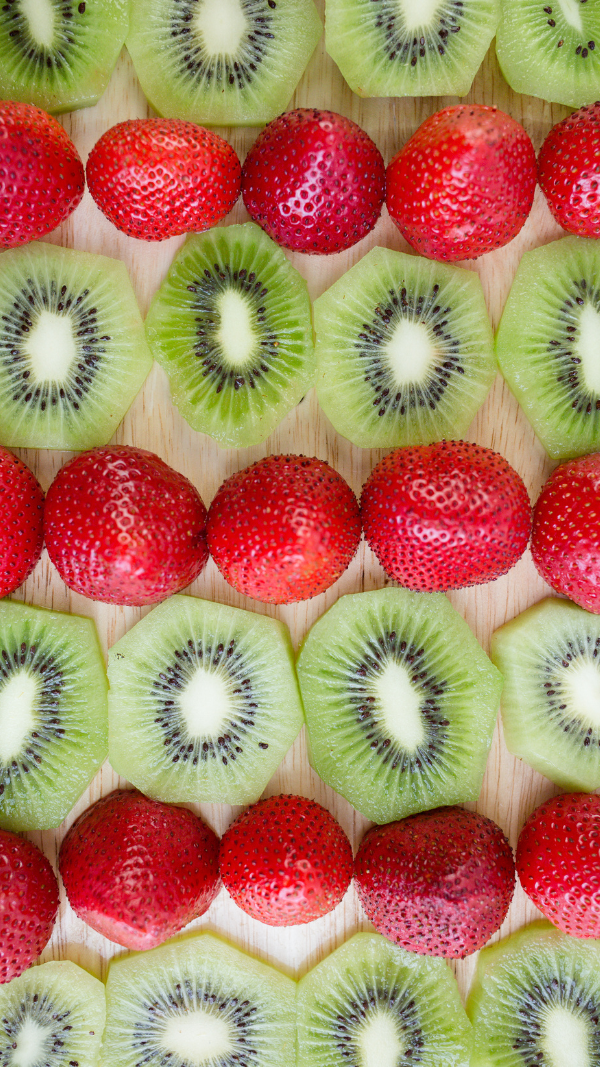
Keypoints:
pixel 565 542
pixel 28 904
pixel 138 871
pixel 314 181
pixel 123 527
pixel 569 171
pixel 438 883
pixel 41 174
pixel 446 515
pixel 284 529
pixel 558 862
pixel 286 861
pixel 21 529
pixel 154 178
pixel 463 184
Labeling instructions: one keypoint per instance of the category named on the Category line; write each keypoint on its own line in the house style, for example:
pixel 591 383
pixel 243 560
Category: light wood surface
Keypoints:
pixel 511 790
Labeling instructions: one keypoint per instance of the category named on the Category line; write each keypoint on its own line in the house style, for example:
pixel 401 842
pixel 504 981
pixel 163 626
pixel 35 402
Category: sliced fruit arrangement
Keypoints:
pixel 371 1002
pixel 22 528
pixel 204 702
pixel 231 325
pixel 397 721
pixel 404 350
pixel 28 907
pixel 569 171
pixel 53 719
pixel 224 64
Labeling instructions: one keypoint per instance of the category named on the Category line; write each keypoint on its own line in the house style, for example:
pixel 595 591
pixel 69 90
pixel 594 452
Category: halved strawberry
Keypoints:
pixel 22 527
pixel 28 904
pixel 569 171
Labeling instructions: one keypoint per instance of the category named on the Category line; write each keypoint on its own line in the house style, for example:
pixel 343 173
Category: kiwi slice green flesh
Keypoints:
pixel 397 722
pixel 73 353
pixel 53 717
pixel 372 1003
pixel 404 351
pixel 198 1002
pixel 222 62
pixel 52 1016
pixel 548 344
pixel 231 325
pixel 410 47
pixel 535 1001
pixel 59 54
pixel 203 702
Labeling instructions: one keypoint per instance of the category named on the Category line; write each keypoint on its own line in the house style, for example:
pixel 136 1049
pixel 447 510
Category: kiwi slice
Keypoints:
pixel 73 354
pixel 551 49
pixel 371 1003
pixel 59 54
pixel 198 1002
pixel 53 717
pixel 231 325
pixel 222 62
pixel 203 702
pixel 548 344
pixel 397 722
pixel 410 47
pixel 535 1001
pixel 405 351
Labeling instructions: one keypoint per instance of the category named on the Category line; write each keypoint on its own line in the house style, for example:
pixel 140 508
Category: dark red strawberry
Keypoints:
pixel 286 861
pixel 138 871
pixel 22 525
pixel 41 175
pixel 28 904
pixel 123 527
pixel 569 171
pixel 439 883
pixel 446 515
pixel 463 184
pixel 154 178
pixel 314 181
pixel 283 529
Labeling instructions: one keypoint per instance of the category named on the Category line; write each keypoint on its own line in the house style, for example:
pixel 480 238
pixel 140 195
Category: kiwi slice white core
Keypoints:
pixel 378 1043
pixel 566 1038
pixel 40 17
pixel 50 347
pixel 418 13
pixel 220 25
pixel 236 335
pixel 400 707
pixel 588 345
pixel 582 690
pixel 205 703
pixel 410 353
pixel 18 697
pixel 570 10
pixel 32 1045
pixel 197 1037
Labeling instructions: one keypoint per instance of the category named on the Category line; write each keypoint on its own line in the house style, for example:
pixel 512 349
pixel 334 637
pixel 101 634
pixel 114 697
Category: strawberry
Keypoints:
pixel 565 542
pixel 123 527
pixel 21 530
pixel 41 175
pixel 446 515
pixel 558 862
pixel 463 184
pixel 154 178
pixel 438 883
pixel 569 171
pixel 314 181
pixel 28 904
pixel 286 861
pixel 138 871
pixel 284 529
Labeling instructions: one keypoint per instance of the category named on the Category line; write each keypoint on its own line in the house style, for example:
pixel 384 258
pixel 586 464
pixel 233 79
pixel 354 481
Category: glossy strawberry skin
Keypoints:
pixel 438 883
pixel 569 171
pixel 463 184
pixel 138 871
pixel 445 516
pixel 28 904
pixel 155 178
pixel 558 862
pixel 41 175
pixel 22 527
pixel 286 861
pixel 284 529
pixel 315 181
pixel 123 527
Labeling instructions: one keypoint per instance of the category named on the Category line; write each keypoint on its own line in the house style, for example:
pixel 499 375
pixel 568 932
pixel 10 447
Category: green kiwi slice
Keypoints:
pixel 222 62
pixel 535 1001
pixel 59 54
pixel 231 325
pixel 73 353
pixel 203 702
pixel 198 1002
pixel 404 350
pixel 410 47
pixel 397 722
pixel 53 717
